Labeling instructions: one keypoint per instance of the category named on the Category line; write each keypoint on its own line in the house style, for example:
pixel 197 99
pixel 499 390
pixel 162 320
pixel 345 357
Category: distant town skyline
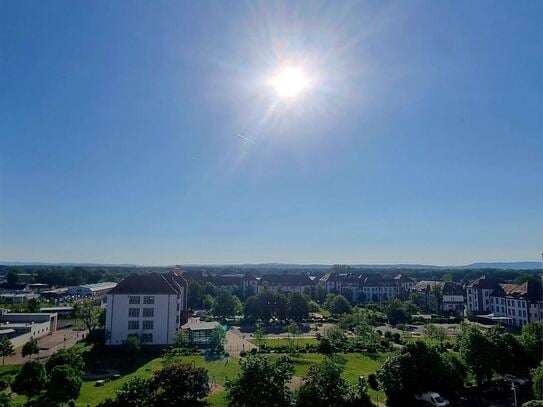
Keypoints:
pixel 308 132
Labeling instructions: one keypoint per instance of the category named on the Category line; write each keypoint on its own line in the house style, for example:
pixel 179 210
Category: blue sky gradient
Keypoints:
pixel 421 140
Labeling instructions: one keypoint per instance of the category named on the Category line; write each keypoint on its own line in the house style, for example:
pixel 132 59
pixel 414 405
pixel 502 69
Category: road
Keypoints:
pixel 63 338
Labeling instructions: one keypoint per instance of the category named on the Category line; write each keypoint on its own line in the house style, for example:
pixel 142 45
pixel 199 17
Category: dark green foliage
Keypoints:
pixel 265 305
pixel 64 384
pixel 12 278
pixel 532 340
pixel 337 304
pixel 134 393
pixel 179 385
pixel 226 305
pixel 333 341
pixel 66 357
pixel 30 348
pixel 6 349
pixel 397 313
pixel 89 313
pixel 261 383
pixel 478 352
pixel 297 306
pixel 324 386
pixel 30 380
pixel 132 343
pixel 218 338
pixel 419 368
pixel 537 382
pixel 5 400
pixel 372 381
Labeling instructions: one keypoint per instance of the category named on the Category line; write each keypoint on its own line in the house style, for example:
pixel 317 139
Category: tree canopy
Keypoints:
pixel 261 382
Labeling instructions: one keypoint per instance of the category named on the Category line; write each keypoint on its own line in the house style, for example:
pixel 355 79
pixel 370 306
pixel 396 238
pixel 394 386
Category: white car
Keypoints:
pixel 518 381
pixel 433 399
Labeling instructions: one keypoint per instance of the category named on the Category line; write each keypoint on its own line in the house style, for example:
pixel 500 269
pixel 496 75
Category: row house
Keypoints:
pixel 517 303
pixel 348 284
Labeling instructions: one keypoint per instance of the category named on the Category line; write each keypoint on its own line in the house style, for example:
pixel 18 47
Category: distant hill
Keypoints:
pixel 518 265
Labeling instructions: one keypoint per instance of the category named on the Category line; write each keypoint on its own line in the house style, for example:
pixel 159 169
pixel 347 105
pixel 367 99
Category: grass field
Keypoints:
pixel 144 363
pixel 219 371
pixel 279 342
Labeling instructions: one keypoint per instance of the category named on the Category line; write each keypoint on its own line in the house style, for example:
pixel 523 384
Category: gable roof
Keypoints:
pixel 287 279
pixel 484 283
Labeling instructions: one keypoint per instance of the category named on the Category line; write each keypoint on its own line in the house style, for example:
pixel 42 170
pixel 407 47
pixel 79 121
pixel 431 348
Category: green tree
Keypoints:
pixel 226 305
pixel 397 313
pixel 134 393
pixel 324 386
pixel 340 305
pixel 531 338
pixel 437 296
pixel 537 382
pixel 33 305
pixel 6 349
pixel 30 348
pixel 261 382
pixel 64 384
pixel 181 340
pixel 88 313
pixel 416 368
pixel 5 400
pixel 260 334
pixel 297 306
pixel 12 278
pixel 436 333
pixel 179 384
pixel 30 380
pixel 366 337
pixel 293 333
pixel 132 344
pixel 218 339
pixel 478 352
pixel 333 341
pixel 66 357
pixel 510 355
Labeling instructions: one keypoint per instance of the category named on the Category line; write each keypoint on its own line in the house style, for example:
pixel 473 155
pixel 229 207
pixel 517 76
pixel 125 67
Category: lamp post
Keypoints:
pixel 514 392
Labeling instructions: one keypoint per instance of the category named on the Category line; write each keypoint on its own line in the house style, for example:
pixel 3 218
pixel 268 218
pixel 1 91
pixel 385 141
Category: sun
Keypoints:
pixel 289 82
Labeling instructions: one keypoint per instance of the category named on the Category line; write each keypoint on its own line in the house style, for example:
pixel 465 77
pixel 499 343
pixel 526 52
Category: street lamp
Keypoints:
pixel 514 392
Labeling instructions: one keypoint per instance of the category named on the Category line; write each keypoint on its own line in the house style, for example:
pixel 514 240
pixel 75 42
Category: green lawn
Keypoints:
pixel 144 364
pixel 279 342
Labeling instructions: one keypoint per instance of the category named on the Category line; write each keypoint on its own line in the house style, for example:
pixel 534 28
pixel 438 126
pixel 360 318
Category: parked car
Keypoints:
pixel 433 399
pixel 99 383
pixel 517 381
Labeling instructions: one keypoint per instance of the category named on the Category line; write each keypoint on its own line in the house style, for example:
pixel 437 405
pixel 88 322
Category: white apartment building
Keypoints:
pixel 516 302
pixel 478 294
pixel 151 306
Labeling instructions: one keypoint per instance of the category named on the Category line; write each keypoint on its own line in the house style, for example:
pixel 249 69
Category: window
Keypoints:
pixel 147 338
pixel 149 299
pixel 147 324
pixel 133 324
pixel 133 299
pixel 133 312
pixel 148 312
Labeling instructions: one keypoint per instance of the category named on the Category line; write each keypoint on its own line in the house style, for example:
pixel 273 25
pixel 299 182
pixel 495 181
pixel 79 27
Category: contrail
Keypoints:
pixel 245 138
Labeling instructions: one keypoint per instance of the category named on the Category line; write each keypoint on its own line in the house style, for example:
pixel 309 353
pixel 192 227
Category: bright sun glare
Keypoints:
pixel 289 82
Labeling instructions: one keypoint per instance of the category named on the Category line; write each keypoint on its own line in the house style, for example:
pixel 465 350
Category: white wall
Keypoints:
pixel 164 318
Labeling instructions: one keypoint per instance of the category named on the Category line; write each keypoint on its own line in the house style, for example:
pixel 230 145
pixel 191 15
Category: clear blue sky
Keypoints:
pixel 420 140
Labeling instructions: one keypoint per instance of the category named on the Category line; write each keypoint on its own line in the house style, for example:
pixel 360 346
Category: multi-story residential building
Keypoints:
pixel 348 284
pixel 516 304
pixel 478 294
pixel 439 296
pixel 378 289
pixel 403 284
pixel 286 283
pixel 152 306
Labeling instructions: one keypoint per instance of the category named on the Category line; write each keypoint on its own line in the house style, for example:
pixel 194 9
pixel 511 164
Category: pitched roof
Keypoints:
pixel 152 283
pixel 484 283
pixel 287 279
pixel 525 291
pixel 403 278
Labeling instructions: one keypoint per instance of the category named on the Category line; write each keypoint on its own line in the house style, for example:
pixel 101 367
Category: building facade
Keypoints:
pixel 151 306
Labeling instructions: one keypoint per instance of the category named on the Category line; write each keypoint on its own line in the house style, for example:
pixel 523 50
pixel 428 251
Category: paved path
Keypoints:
pixel 235 343
pixel 49 344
